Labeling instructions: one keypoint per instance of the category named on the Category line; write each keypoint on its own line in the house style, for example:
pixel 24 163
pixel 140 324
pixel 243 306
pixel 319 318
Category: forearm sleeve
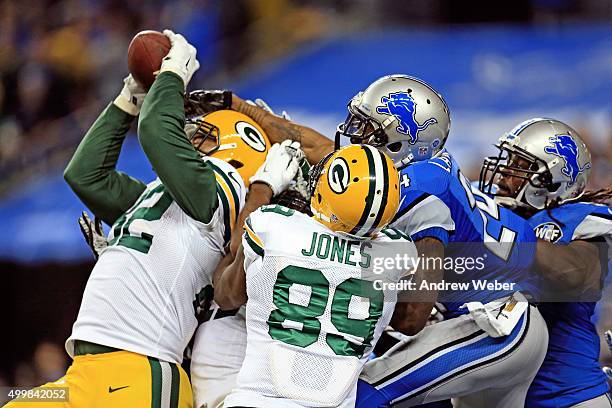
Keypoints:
pixel 91 172
pixel 189 179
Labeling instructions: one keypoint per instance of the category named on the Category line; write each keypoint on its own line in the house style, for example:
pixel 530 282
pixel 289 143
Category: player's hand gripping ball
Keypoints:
pixel 145 55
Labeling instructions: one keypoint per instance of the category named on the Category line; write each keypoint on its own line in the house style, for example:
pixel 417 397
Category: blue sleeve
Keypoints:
pixel 429 176
pixel 423 211
pixel 563 223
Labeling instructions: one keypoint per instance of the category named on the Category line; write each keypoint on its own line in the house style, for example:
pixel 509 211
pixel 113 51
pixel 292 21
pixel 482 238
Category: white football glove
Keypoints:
pixel 280 167
pixel 181 58
pixel 93 234
pixel 264 105
pixel 131 96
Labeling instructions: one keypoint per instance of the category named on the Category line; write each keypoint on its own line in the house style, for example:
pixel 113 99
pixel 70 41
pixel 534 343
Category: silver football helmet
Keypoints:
pixel 540 162
pixel 401 116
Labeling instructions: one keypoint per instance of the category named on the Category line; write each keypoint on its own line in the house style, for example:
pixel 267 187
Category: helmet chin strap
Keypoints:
pixel 351 236
pixel 319 215
pixel 337 140
pixel 404 162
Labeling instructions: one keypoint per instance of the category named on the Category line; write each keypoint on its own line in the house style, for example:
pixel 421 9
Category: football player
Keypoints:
pixel 216 351
pixel 484 353
pixel 137 313
pixel 492 342
pixel 314 309
pixel 541 172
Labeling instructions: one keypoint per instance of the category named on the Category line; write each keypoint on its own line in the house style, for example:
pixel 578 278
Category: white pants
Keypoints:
pixel 218 352
pixel 603 401
pixel 455 358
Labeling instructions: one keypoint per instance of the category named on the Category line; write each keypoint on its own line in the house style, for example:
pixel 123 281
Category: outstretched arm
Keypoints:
pixel 259 194
pixel 273 177
pixel 314 144
pixel 411 314
pixel 92 174
pixel 230 282
pixel 189 179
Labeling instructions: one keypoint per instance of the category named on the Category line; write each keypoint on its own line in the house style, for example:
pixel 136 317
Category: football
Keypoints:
pixel 145 55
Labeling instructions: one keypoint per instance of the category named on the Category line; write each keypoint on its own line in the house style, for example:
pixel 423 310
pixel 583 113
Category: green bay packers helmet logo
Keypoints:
pixel 338 175
pixel 251 136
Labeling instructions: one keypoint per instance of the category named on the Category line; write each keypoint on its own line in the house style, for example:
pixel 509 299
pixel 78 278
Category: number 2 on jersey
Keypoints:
pixel 299 325
pixel 150 207
pixel 489 212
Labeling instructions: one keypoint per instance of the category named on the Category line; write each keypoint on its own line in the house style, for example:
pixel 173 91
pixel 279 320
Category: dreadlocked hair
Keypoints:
pixel 549 205
pixel 192 105
pixel 601 196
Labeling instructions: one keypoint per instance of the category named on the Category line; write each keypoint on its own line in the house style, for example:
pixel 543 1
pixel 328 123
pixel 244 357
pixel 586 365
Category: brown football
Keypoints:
pixel 145 55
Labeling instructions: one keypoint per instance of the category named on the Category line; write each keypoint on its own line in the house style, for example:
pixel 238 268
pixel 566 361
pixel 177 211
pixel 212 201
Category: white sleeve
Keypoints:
pixel 431 212
pixel 593 226
pixel 253 243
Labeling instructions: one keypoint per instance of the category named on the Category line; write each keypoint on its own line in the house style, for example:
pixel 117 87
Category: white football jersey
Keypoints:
pixel 141 293
pixel 314 313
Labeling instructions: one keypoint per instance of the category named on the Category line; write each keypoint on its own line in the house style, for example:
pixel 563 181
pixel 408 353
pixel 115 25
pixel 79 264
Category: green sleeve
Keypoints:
pixel 91 172
pixel 189 179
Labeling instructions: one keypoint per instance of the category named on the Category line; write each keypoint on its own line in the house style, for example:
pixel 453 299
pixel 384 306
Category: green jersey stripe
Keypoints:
pixel 230 185
pixel 174 390
pixel 156 382
pixel 227 233
pixel 256 248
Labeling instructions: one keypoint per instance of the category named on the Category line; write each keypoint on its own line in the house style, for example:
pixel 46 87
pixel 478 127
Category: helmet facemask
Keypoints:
pixel 201 133
pixel 360 128
pixel 511 164
pixel 315 174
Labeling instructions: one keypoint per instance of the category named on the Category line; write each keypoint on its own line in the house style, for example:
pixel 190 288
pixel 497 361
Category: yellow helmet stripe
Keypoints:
pixel 385 192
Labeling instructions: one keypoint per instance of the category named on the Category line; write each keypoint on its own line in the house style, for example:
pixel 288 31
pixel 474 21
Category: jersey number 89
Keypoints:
pixel 299 325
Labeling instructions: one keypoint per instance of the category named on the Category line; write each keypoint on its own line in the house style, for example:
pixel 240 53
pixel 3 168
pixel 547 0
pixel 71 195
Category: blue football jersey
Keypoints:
pixel 438 201
pixel 571 372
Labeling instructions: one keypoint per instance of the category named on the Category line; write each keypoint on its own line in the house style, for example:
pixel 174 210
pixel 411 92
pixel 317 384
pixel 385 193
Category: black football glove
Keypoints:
pixel 202 101
pixel 93 234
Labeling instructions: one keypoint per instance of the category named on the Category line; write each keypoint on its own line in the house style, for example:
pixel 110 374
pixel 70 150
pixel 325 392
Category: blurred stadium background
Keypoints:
pixel 61 61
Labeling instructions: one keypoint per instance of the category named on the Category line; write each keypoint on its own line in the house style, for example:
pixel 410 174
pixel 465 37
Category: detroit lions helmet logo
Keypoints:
pixel 565 147
pixel 402 106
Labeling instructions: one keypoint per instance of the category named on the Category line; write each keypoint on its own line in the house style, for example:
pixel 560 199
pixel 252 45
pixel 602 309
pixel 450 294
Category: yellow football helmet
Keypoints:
pixel 355 190
pixel 232 137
